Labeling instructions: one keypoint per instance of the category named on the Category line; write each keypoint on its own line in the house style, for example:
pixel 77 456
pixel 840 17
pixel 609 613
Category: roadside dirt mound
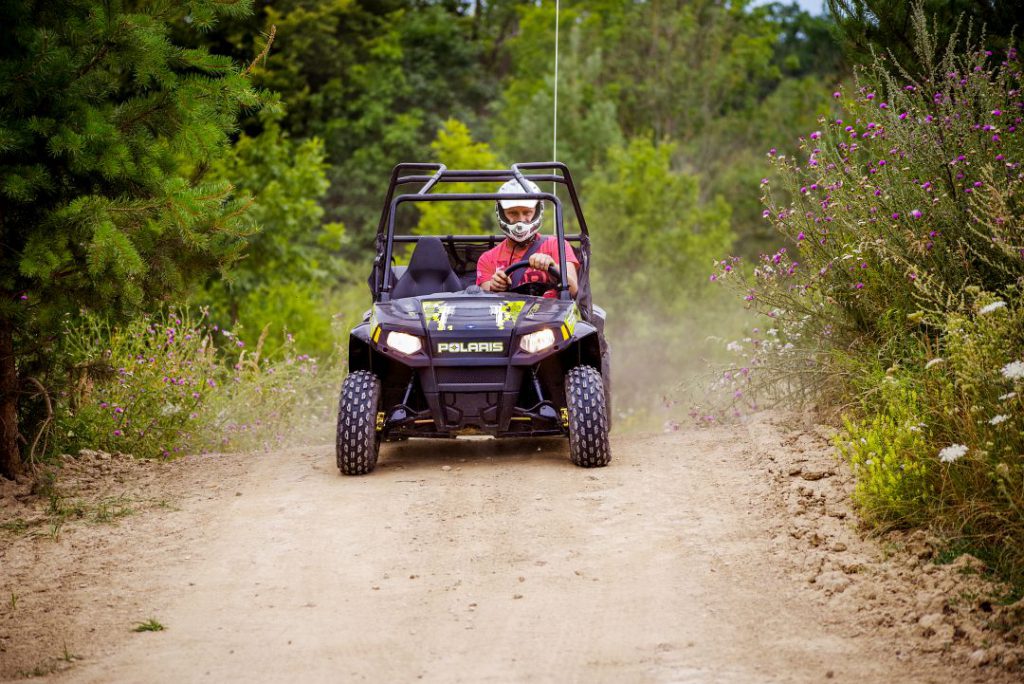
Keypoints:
pixel 889 583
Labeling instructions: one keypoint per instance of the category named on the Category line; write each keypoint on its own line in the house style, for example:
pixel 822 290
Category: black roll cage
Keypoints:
pixel 381 279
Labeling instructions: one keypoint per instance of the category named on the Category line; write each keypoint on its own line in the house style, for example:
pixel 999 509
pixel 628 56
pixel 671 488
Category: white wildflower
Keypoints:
pixel 169 409
pixel 772 331
pixel 989 308
pixel 1007 396
pixel 996 420
pixel 1013 370
pixel 734 347
pixel 952 453
pixel 934 362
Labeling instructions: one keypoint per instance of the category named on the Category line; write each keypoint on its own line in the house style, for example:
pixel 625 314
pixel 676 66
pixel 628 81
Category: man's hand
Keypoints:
pixel 541 261
pixel 500 281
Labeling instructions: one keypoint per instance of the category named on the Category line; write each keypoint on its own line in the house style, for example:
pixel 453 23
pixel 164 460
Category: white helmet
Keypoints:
pixel 522 231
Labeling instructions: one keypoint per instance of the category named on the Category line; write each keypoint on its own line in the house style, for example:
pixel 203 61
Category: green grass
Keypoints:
pixel 150 625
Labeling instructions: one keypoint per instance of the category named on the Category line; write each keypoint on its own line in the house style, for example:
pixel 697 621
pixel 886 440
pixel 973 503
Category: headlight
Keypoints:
pixel 404 342
pixel 537 341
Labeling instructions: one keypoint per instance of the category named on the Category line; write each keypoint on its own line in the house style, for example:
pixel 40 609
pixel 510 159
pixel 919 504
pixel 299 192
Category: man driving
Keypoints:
pixel 520 221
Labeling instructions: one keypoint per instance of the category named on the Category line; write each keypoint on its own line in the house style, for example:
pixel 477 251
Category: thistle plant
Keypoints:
pixel 896 296
pixel 170 384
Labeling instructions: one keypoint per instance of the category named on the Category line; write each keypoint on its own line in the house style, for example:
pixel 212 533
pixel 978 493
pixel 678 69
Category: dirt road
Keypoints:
pixel 467 561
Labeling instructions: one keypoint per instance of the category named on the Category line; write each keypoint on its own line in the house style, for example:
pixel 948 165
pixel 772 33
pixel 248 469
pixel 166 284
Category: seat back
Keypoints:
pixel 429 271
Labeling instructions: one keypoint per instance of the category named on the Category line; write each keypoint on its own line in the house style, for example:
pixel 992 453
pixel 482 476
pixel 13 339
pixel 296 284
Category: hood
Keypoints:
pixel 479 320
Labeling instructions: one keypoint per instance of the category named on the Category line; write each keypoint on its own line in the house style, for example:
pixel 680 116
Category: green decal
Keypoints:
pixel 437 312
pixel 506 312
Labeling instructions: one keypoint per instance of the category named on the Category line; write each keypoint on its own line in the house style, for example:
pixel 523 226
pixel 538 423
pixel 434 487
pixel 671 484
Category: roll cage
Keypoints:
pixel 463 250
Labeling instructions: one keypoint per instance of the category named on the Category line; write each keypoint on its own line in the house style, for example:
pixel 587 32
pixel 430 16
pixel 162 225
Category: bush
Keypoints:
pixel 173 383
pixel 896 297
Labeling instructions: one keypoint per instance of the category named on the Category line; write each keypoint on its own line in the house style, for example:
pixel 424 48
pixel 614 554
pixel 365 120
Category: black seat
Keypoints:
pixel 429 271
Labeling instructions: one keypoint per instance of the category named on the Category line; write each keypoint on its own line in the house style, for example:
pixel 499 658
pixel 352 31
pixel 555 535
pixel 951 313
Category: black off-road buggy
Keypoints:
pixel 437 356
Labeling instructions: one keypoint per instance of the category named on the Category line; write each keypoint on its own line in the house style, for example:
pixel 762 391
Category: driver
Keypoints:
pixel 520 220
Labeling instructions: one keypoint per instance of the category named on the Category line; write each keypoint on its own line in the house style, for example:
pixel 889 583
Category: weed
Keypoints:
pixel 150 625
pixel 16 526
pixel 112 508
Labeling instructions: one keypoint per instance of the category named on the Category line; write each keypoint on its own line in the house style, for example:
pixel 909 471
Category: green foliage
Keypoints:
pixel 902 291
pixel 291 264
pixel 107 129
pixel 891 457
pixel 650 226
pixel 454 147
pixel 171 384
pixel 150 625
pixel 374 81
pixel 884 27
pixel 652 238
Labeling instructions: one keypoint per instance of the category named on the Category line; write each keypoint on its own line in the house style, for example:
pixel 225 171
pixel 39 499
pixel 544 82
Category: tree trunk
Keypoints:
pixel 10 456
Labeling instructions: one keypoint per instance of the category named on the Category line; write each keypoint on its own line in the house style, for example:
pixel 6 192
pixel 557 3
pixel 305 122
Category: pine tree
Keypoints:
pixel 107 130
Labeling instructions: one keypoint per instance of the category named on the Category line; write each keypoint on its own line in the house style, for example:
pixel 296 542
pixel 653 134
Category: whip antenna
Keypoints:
pixel 554 135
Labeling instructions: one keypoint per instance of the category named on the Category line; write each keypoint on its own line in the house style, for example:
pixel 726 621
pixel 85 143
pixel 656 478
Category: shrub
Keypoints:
pixel 173 383
pixel 896 298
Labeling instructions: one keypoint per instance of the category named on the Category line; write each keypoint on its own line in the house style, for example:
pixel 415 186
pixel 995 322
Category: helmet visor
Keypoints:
pixel 509 203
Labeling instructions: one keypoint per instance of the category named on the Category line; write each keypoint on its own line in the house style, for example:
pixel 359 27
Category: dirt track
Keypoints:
pixel 472 561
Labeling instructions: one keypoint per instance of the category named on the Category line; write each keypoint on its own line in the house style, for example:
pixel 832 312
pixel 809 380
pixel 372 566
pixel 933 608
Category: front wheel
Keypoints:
pixel 588 418
pixel 358 441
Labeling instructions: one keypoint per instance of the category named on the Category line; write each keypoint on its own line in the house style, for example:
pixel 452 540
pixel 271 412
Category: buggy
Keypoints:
pixel 439 357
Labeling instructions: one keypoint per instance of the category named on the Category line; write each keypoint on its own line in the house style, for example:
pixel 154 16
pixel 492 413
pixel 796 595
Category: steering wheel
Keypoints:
pixel 534 289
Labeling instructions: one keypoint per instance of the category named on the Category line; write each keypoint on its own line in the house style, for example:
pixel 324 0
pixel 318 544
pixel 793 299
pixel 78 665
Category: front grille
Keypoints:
pixel 477 375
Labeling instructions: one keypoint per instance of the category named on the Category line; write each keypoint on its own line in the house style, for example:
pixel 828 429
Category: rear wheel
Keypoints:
pixel 358 441
pixel 588 418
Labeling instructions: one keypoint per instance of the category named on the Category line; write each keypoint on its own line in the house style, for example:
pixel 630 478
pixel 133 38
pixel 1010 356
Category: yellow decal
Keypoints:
pixel 565 417
pixel 374 325
pixel 571 319
pixel 380 421
pixel 438 313
pixel 506 312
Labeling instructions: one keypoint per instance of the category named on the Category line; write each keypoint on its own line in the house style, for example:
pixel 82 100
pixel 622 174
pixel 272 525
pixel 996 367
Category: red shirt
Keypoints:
pixel 508 252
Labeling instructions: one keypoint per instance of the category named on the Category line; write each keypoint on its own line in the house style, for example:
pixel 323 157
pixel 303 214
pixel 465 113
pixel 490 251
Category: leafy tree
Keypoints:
pixel 648 222
pixel 885 27
pixel 107 132
pixel 374 81
pixel 653 243
pixel 455 147
pixel 294 251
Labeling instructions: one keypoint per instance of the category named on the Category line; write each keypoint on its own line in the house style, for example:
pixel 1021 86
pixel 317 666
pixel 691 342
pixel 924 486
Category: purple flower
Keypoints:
pixel 871 96
pixel 118 409
pixel 837 94
pixel 903 116
pixel 118 433
pixel 895 215
pixel 800 236
pixel 997 112
pixel 916 213
pixel 859 286
pixel 883 106
pixel 815 135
